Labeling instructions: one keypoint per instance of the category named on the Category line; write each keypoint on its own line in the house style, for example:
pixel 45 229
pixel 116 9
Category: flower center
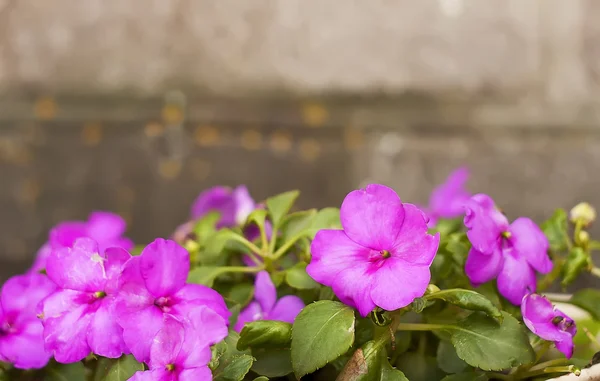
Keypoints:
pixel 99 294
pixel 163 303
pixel 506 235
pixel 170 367
pixel 385 254
pixel 562 323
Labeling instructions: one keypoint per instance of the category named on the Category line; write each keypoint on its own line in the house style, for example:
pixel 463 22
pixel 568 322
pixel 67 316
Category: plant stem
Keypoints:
pixel 422 327
pixel 273 241
pixel 548 363
pixel 286 246
pixel 248 244
pixel 595 271
pixel 542 351
pixel 556 369
pixel 241 269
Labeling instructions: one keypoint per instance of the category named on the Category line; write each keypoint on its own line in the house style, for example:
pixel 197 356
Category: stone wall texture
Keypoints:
pixel 135 106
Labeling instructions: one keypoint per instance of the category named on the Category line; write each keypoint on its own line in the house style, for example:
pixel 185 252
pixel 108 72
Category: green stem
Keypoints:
pixel 248 244
pixel 264 242
pixel 555 369
pixel 422 327
pixel 548 363
pixel 241 269
pixel 286 246
pixel 542 351
pixel 273 240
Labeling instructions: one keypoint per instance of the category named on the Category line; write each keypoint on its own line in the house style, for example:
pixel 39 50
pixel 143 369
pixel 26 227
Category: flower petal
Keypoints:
pixel 448 199
pixel 485 223
pixel 397 283
pixel 105 226
pixel 196 374
pixel 565 345
pixel 63 301
pixel 538 313
pixel 160 374
pixel 413 244
pixel 139 329
pixel 26 349
pixel 197 294
pixel 22 293
pixel 482 268
pixel 65 233
pixel 204 328
pixel 264 291
pixel 78 268
pixel 333 252
pixel 516 279
pixel 167 343
pixel 530 242
pixel 217 199
pixel 353 287
pixel 164 265
pixel 105 336
pixel 286 309
pixel 116 258
pixel 41 257
pixel 249 314
pixel 372 217
pixel 66 335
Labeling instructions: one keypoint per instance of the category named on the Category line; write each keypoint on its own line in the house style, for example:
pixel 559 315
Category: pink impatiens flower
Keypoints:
pixel 234 205
pixel 21 339
pixel 79 317
pixel 154 284
pixel 103 227
pixel 512 253
pixel 266 306
pixel 448 199
pixel 382 255
pixel 549 323
pixel 179 351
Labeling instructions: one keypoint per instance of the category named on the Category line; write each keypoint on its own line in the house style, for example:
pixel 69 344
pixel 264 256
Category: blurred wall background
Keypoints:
pixel 136 106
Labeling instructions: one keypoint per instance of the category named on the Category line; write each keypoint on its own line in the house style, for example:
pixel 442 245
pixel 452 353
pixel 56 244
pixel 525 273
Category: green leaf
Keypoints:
pixel 555 228
pixel 467 299
pixel 66 372
pixel 297 277
pixel 419 367
pixel 215 244
pixel 258 216
pixel 467 376
pixel 206 226
pixel 296 223
pixel 322 332
pixel 577 261
pixel 137 250
pixel 241 293
pixel 370 363
pixel 326 293
pixel 265 334
pixel 228 363
pixel 205 275
pixel 484 344
pixel 261 378
pixel 280 205
pixel 120 369
pixel 589 300
pixel 272 362
pixel 448 360
pixel 327 218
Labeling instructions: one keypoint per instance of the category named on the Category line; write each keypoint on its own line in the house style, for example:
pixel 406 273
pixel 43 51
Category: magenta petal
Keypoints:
pixel 538 313
pixel 482 268
pixel 105 336
pixel 286 309
pixel 65 233
pixel 160 374
pixel 485 223
pixel 353 287
pixel 516 279
pixel 566 345
pixel 413 244
pixel 78 268
pixel 196 374
pixel 448 200
pixel 397 283
pixel 251 313
pixel 264 291
pixel 333 252
pixel 22 293
pixel 41 256
pixel 531 243
pixel 372 217
pixel 217 199
pixel 204 328
pixel 167 343
pixel 116 258
pixel 66 335
pixel 139 330
pixel 197 294
pixel 25 350
pixel 244 204
pixel 132 295
pixel 105 226
pixel 164 265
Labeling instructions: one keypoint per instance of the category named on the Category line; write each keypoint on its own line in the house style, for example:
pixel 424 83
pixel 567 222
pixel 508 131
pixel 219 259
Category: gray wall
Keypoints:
pixel 136 106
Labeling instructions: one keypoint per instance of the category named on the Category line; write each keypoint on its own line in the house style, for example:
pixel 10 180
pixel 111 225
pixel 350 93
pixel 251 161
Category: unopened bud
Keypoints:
pixel 431 289
pixel 582 213
pixel 583 238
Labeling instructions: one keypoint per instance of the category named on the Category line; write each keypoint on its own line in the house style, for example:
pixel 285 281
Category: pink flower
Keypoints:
pixel 21 339
pixel 154 284
pixel 179 352
pixel 448 199
pixel 103 227
pixel 540 316
pixel 382 255
pixel 512 253
pixel 266 306
pixel 234 205
pixel 79 317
